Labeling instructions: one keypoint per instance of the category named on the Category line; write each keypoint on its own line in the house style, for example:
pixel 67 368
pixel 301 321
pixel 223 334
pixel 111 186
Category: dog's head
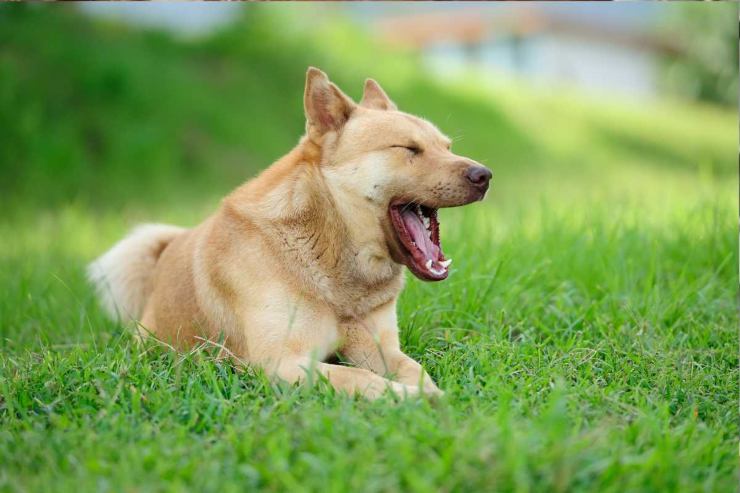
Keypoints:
pixel 394 165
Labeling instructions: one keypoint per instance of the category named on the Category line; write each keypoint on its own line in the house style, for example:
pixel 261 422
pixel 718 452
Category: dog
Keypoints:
pixel 306 260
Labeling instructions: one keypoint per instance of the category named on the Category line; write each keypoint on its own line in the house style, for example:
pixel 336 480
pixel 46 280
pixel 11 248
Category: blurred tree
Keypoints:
pixel 707 68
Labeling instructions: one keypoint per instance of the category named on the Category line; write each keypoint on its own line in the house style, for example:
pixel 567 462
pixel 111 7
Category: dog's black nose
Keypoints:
pixel 479 176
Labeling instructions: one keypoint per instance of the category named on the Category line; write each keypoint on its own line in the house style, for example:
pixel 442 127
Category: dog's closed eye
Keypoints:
pixel 412 148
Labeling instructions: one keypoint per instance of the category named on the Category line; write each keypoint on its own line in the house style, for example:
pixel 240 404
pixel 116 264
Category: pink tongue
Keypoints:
pixel 419 234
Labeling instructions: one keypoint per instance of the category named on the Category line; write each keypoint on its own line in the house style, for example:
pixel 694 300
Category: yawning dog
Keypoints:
pixel 307 258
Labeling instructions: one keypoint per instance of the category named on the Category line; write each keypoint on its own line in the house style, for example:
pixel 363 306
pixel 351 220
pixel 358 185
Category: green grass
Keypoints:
pixel 586 339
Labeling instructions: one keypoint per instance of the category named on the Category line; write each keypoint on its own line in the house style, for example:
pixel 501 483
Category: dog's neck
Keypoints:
pixel 306 221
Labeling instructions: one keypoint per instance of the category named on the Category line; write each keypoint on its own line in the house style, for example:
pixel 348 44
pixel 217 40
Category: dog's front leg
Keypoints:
pixel 290 344
pixel 373 343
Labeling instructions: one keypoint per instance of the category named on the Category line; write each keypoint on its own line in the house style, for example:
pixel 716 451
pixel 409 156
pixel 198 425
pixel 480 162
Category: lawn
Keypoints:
pixel 586 338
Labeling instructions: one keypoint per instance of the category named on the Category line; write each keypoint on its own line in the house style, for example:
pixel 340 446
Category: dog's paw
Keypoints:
pixel 403 391
pixel 432 391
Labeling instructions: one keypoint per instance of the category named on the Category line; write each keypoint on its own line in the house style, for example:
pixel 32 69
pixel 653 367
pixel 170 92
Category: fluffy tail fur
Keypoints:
pixel 123 276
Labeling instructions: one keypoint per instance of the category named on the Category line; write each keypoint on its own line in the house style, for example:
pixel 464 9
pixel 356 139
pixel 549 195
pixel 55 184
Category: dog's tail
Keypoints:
pixel 123 276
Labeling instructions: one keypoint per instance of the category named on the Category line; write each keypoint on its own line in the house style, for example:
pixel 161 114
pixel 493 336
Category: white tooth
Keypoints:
pixel 438 272
pixel 429 265
pixel 446 263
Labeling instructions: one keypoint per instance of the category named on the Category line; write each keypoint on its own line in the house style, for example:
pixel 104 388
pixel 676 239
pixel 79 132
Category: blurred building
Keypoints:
pixel 596 46
pixel 542 44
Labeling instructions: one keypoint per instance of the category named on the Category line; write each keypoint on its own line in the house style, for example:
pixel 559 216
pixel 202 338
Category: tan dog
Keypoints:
pixel 306 259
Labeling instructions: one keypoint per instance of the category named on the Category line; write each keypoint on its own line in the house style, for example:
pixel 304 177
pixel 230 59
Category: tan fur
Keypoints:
pixel 302 260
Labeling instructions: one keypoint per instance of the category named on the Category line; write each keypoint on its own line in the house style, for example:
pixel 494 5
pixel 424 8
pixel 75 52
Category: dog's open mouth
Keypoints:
pixel 418 232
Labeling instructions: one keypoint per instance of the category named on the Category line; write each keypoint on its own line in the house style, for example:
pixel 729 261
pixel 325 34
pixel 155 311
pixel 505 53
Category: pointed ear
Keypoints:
pixel 375 97
pixel 327 108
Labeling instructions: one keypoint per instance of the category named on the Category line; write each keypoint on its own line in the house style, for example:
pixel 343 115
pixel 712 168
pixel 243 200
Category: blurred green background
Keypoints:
pixel 112 111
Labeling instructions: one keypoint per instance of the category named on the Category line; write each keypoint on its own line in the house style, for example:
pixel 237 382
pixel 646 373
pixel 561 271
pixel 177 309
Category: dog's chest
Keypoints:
pixel 352 279
pixel 352 298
